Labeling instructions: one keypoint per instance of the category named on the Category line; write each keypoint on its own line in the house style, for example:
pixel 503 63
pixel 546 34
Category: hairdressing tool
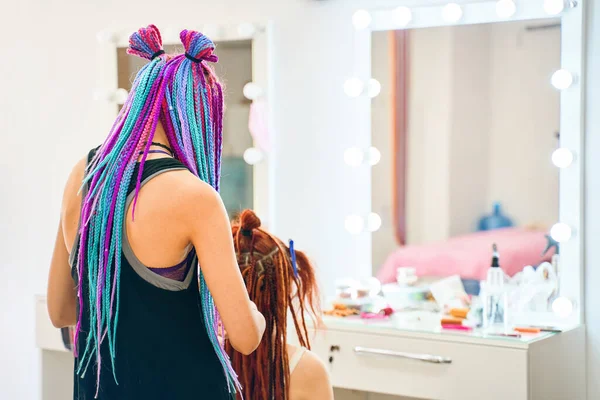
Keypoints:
pixel 293 255
pixel 512 335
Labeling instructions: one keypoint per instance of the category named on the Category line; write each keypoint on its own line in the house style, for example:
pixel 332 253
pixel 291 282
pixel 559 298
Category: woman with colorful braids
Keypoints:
pixel 282 283
pixel 147 241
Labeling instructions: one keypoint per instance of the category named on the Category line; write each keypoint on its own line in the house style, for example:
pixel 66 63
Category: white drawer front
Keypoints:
pixel 447 371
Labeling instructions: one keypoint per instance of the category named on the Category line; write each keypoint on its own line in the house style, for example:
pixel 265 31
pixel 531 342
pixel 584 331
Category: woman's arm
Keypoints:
pixel 210 233
pixel 62 294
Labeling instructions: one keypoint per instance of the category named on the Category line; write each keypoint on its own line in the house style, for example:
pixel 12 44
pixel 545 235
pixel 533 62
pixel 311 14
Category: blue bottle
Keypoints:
pixel 496 220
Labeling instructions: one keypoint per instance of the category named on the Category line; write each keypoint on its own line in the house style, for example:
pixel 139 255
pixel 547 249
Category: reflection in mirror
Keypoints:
pixel 466 122
pixel 235 70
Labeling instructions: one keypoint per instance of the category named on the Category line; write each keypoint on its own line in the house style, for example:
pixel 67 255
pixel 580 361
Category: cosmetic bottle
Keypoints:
pixel 495 299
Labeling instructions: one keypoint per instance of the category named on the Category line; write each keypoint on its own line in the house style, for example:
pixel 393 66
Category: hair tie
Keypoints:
pixel 192 58
pixel 158 53
pixel 247 232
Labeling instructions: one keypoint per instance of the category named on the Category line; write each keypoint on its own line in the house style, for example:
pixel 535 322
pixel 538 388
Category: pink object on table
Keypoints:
pixel 470 255
pixel 373 316
pixel 456 327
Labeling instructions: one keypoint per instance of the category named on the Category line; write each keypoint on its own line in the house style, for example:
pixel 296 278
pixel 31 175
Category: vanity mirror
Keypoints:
pixel 471 126
pixel 463 110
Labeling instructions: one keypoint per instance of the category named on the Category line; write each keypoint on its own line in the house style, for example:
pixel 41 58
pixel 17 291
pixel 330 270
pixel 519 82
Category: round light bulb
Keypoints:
pixel 373 222
pixel 562 157
pixel 353 156
pixel 402 16
pixel 506 8
pixel 120 96
pixel 252 91
pixel 253 155
pixel 562 307
pixel 246 29
pixel 353 87
pixel 361 19
pixel 374 156
pixel 554 7
pixel 560 232
pixel 452 12
pixel 562 79
pixel 373 88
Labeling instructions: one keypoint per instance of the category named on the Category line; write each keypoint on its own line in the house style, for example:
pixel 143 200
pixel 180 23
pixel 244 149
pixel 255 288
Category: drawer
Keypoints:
pixel 446 370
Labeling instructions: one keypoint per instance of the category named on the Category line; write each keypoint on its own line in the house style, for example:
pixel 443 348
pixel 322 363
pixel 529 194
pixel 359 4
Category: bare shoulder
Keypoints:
pixel 312 378
pixel 75 180
pixel 193 194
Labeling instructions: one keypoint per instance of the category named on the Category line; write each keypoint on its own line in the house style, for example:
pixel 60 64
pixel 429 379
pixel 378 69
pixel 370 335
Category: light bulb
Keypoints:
pixel 402 16
pixel 562 157
pixel 354 224
pixel 505 8
pixel 562 306
pixel 120 96
pixel 353 156
pixel 374 156
pixel 246 29
pixel 452 12
pixel 373 222
pixel 560 232
pixel 361 19
pixel 562 79
pixel 252 91
pixel 353 87
pixel 554 7
pixel 373 88
pixel 253 155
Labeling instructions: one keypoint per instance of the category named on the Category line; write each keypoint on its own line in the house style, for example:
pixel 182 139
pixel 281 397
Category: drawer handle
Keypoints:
pixel 398 354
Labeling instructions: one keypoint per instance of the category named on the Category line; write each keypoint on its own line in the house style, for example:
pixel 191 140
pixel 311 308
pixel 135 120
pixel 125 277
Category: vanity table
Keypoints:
pixel 437 119
pixel 418 360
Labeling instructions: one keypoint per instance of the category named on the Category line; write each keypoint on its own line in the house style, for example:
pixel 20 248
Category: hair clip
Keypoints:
pixel 246 232
pixel 293 255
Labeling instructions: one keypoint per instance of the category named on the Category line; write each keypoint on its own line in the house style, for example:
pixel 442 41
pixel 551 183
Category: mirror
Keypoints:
pixel 235 70
pixel 466 123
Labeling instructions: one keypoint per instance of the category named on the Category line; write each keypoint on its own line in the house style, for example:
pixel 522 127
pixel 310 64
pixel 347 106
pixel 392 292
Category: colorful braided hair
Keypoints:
pixel 183 93
pixel 279 280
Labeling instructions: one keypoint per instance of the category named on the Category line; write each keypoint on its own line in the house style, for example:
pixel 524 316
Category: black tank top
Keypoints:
pixel 162 346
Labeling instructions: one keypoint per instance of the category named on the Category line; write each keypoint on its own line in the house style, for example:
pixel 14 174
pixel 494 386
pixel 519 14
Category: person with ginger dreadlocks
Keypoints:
pixel 281 281
pixel 148 242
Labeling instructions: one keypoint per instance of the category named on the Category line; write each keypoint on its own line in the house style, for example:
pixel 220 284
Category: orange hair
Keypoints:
pixel 266 266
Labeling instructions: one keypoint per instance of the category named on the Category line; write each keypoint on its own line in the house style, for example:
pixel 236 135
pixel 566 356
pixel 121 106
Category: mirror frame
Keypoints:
pixel 571 190
pixel 260 34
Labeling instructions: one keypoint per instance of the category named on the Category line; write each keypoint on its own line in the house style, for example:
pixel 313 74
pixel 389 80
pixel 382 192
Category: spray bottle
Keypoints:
pixel 495 301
